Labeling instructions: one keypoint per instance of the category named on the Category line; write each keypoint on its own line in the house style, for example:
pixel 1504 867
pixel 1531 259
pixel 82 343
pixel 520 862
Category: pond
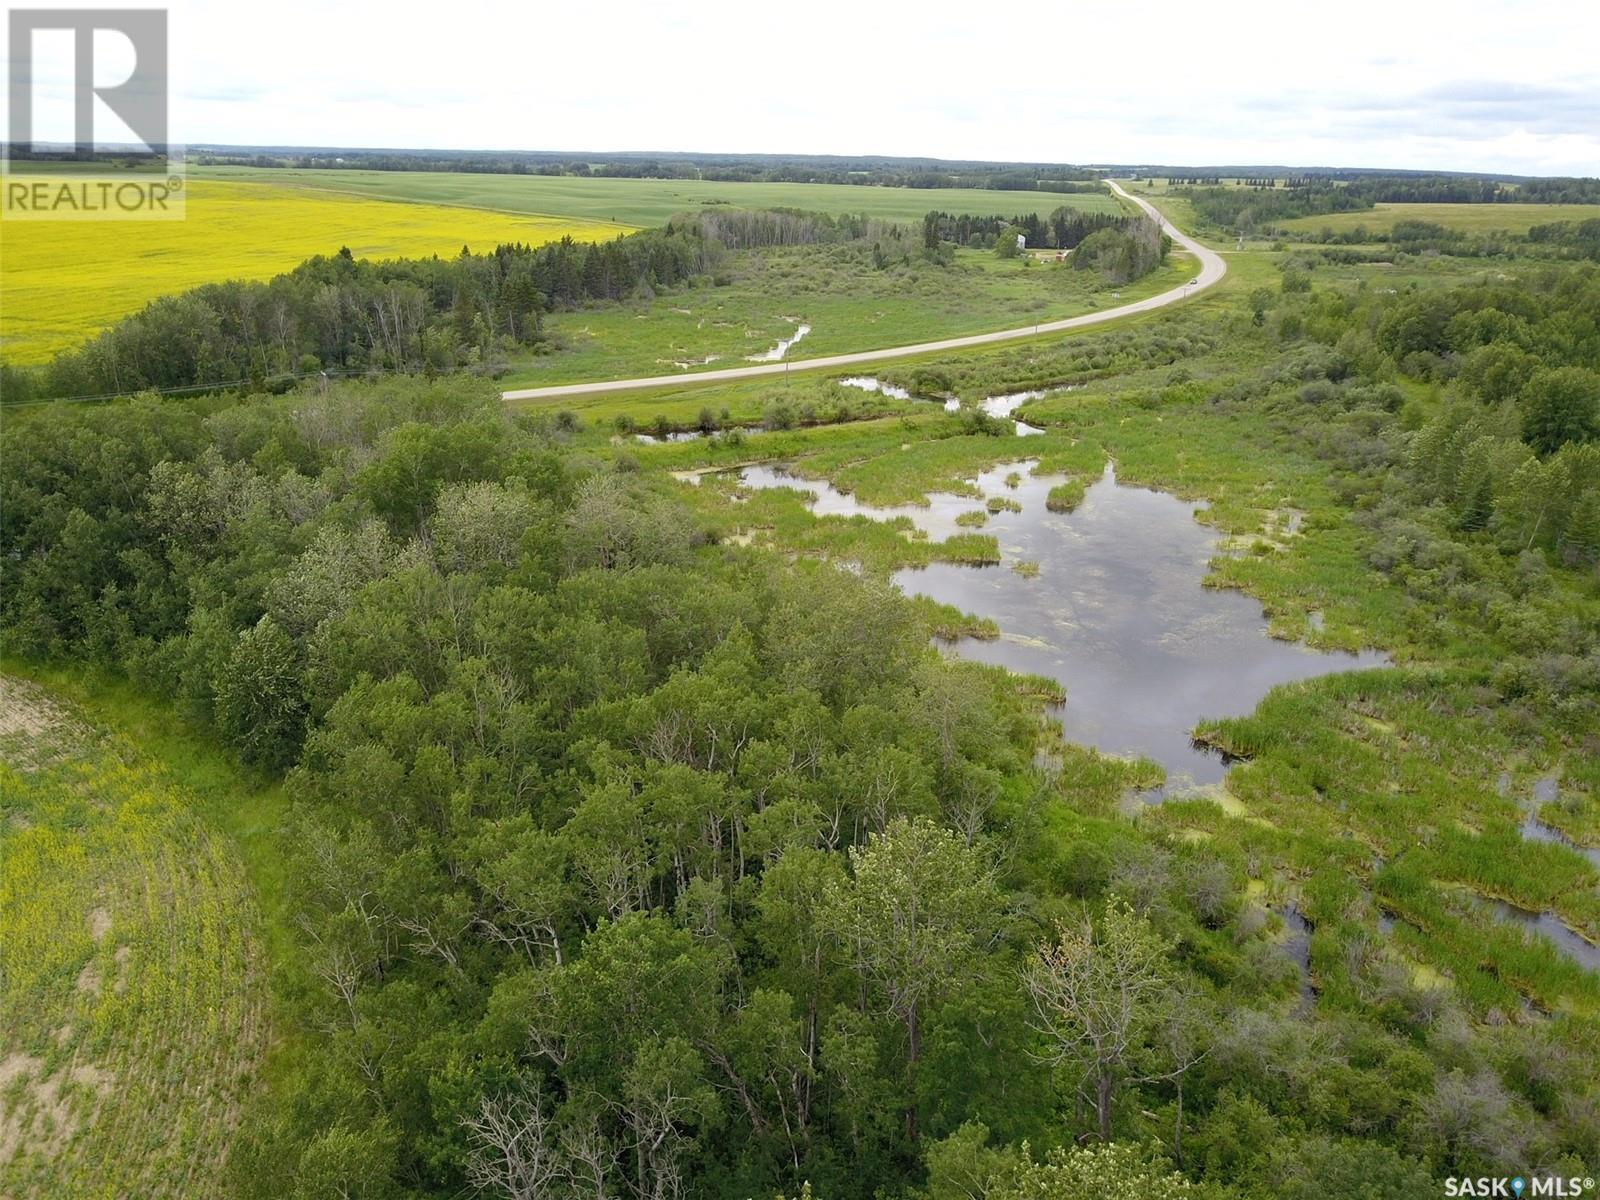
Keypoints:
pixel 1118 616
pixel 1116 613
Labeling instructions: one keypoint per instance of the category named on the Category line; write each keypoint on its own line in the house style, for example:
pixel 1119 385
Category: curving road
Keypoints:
pixel 1212 269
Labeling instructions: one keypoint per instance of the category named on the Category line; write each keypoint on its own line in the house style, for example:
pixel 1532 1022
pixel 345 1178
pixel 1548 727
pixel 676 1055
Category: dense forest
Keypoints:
pixel 1063 229
pixel 631 864
pixel 1124 252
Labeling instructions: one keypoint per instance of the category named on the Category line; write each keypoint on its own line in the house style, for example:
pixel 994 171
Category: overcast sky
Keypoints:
pixel 1496 85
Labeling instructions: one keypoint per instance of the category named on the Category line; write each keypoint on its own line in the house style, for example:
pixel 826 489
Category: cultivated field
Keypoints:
pixel 653 201
pixel 61 282
pixel 1470 218
pixel 131 991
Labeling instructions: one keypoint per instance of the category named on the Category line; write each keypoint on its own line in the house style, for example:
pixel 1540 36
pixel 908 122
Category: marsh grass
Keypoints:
pixel 848 303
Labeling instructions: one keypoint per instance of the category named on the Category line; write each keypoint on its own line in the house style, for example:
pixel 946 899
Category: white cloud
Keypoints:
pixel 1507 85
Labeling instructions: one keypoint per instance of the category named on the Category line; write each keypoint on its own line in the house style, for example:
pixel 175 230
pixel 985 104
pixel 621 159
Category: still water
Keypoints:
pixel 937 518
pixel 1118 616
pixel 1567 940
pixel 1546 790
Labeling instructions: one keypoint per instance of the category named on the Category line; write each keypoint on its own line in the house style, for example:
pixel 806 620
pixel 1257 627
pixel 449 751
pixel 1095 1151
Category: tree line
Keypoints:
pixel 1513 454
pixel 1248 209
pixel 1063 229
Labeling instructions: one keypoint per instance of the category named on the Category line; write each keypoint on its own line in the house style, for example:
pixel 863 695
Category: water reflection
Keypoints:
pixel 782 348
pixel 995 406
pixel 1117 615
pixel 1582 951
pixel 1297 945
pixel 1546 790
pixel 1005 405
pixel 867 384
pixel 680 435
pixel 1116 612
pixel 937 519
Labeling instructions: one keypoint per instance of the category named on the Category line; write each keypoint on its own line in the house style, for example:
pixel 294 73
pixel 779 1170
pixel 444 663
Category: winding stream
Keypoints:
pixel 994 406
pixel 1567 940
pixel 1546 789
pixel 782 348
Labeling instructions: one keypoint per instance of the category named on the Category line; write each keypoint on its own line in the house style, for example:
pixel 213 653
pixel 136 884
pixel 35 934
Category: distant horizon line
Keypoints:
pixel 727 156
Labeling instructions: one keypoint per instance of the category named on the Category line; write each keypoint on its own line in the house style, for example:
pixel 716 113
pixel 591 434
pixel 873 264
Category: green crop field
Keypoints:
pixel 1469 218
pixel 653 201
pixel 62 282
pixel 132 986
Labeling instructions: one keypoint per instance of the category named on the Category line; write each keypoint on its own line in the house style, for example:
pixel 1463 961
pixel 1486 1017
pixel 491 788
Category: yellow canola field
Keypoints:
pixel 63 281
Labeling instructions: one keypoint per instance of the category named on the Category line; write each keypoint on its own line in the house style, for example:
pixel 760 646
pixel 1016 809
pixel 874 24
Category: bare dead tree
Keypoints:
pixel 515 1152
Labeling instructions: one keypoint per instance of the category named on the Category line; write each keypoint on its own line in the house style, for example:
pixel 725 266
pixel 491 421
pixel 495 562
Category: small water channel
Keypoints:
pixel 937 519
pixel 895 392
pixel 1116 613
pixel 680 435
pixel 1004 406
pixel 995 406
pixel 868 384
pixel 782 348
pixel 1576 947
pixel 1546 790
pixel 1297 945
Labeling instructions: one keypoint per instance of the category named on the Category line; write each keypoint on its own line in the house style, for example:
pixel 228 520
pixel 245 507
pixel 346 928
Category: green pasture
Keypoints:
pixel 645 202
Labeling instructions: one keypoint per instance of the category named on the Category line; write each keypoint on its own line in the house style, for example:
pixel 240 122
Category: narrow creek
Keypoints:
pixel 1297 945
pixel 1546 790
pixel 1567 940
pixel 995 406
pixel 1116 613
pixel 782 348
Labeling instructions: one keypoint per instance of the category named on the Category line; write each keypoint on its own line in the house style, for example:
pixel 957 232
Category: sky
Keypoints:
pixel 1475 85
